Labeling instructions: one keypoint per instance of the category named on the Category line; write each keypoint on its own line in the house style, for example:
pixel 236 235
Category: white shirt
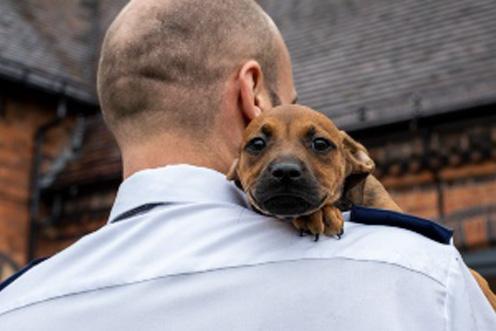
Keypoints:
pixel 203 260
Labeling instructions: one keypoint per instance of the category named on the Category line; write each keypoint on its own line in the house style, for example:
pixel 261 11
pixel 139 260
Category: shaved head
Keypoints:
pixel 163 62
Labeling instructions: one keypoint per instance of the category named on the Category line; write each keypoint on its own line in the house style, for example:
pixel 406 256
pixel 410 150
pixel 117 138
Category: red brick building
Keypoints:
pixel 48 51
pixel 413 80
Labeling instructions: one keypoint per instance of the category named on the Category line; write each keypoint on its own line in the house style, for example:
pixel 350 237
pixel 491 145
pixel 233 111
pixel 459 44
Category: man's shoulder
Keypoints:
pixel 404 248
pixel 376 244
pixel 214 238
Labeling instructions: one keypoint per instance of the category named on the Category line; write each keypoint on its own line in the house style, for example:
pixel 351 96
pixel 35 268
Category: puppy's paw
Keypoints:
pixel 300 224
pixel 312 224
pixel 327 220
pixel 333 221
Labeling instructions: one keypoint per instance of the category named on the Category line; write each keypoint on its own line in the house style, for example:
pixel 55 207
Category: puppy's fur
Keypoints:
pixel 296 165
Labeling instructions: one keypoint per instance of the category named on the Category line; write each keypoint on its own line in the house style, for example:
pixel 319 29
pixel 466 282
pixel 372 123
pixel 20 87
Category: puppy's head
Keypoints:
pixel 294 160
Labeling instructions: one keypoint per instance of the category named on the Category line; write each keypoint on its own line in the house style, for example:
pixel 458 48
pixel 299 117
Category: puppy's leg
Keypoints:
pixel 491 297
pixel 333 220
pixel 313 224
pixel 327 220
pixel 300 224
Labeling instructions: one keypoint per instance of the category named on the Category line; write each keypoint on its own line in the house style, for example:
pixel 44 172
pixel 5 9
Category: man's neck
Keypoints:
pixel 170 150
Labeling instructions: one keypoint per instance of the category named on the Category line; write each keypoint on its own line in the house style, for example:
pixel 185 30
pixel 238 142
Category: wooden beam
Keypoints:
pixel 3 106
pixel 475 170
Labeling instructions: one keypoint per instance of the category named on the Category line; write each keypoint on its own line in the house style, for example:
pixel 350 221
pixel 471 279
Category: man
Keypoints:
pixel 178 81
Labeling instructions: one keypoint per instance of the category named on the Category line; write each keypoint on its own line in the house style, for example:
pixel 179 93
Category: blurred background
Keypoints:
pixel 414 80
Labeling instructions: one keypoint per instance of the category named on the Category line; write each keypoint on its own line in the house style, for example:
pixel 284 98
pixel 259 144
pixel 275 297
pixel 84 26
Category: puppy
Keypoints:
pixel 296 165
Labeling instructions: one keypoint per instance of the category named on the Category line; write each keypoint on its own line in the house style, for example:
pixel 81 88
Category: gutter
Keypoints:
pixel 17 72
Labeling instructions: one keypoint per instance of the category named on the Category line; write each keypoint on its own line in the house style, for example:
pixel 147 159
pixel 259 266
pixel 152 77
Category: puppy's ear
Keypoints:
pixel 358 166
pixel 357 158
pixel 232 174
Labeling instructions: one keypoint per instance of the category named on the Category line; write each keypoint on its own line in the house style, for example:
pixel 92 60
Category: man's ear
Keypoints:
pixel 357 158
pixel 232 174
pixel 253 92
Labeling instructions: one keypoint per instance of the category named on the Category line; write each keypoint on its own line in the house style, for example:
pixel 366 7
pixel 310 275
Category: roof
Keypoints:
pixel 363 63
pixel 53 44
pixel 374 62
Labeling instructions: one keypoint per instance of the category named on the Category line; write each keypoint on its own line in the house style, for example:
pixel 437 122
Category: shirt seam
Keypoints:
pixel 84 291
pixel 446 296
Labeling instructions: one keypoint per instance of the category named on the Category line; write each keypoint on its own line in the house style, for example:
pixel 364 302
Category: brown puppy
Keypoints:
pixel 294 166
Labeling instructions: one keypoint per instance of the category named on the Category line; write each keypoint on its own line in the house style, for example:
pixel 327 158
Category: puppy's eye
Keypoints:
pixel 321 145
pixel 256 145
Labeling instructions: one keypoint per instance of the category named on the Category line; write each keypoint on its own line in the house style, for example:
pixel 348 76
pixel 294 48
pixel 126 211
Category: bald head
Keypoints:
pixel 163 62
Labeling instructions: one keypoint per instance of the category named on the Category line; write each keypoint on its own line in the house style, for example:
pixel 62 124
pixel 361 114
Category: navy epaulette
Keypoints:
pixel 422 226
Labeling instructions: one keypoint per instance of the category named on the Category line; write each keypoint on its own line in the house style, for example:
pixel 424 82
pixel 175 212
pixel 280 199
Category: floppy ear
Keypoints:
pixel 357 158
pixel 232 174
pixel 358 166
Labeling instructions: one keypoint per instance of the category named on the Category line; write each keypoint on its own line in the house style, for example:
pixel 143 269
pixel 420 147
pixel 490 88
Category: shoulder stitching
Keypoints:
pixel 83 291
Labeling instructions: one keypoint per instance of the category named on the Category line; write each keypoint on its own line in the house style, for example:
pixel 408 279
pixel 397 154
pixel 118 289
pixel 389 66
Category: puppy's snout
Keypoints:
pixel 286 170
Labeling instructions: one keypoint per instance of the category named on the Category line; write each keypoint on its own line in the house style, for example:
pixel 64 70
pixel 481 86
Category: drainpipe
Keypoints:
pixel 426 135
pixel 34 203
pixel 434 169
pixel 440 194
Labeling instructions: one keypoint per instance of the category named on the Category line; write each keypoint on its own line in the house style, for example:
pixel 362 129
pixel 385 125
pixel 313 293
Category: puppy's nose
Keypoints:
pixel 286 170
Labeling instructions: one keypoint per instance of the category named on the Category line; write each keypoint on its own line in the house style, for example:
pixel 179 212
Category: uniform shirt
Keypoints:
pixel 183 251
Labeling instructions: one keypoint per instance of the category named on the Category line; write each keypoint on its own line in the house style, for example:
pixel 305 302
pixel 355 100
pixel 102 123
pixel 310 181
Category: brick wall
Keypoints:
pixel 51 240
pixel 18 124
pixel 81 214
pixel 420 201
pixel 469 187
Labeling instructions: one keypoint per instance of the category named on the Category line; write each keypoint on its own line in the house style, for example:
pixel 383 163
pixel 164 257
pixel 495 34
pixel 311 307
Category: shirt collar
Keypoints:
pixel 175 183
